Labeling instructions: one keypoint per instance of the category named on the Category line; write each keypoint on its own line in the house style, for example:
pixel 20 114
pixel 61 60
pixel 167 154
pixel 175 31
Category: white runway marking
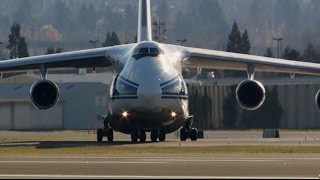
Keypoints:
pixel 82 162
pixel 141 161
pixel 27 176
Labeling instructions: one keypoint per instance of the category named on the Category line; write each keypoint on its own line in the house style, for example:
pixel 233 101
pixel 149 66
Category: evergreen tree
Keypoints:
pixel 269 53
pixel 22 48
pixel 59 50
pixel 245 44
pixel 238 43
pixel 17 44
pixel 234 39
pixel 111 40
pixel 310 54
pixel 52 50
pixel 291 54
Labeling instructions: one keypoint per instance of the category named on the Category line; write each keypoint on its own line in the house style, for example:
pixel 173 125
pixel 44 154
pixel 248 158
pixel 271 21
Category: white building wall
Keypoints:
pixel 27 117
pixel 5 116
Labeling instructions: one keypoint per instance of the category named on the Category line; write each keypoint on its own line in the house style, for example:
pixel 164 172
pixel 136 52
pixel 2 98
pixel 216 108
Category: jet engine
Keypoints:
pixel 317 100
pixel 250 94
pixel 44 94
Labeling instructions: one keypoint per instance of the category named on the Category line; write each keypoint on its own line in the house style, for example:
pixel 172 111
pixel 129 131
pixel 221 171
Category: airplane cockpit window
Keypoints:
pixel 143 50
pixel 154 51
pixel 139 53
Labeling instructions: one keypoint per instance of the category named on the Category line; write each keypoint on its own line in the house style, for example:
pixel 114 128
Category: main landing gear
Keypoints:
pixel 107 131
pixel 188 132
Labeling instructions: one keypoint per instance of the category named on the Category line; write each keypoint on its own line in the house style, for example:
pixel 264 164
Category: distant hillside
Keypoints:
pixel 205 23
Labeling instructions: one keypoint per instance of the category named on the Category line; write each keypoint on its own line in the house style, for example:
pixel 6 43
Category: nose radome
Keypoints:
pixel 149 90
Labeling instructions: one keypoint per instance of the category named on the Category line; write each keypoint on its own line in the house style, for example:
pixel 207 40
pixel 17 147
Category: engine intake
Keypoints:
pixel 44 94
pixel 317 100
pixel 250 94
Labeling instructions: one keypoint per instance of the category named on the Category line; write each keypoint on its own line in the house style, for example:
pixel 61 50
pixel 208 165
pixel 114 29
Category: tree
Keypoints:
pixel 234 39
pixel 310 54
pixel 238 43
pixel 52 50
pixel 291 54
pixel 17 44
pixel 23 48
pixel 245 44
pixel 111 40
pixel 269 53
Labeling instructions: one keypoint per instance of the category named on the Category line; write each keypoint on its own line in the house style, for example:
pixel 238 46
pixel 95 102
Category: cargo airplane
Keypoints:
pixel 148 92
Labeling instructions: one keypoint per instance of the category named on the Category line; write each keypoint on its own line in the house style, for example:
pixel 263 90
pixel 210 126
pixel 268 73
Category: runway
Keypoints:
pixel 161 166
pixel 74 159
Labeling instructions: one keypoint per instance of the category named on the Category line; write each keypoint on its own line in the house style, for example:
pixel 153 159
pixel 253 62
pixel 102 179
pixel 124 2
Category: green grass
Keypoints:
pixel 101 149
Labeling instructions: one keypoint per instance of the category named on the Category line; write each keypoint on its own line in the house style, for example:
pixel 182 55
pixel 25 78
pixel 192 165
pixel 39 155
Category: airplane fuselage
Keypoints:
pixel 149 92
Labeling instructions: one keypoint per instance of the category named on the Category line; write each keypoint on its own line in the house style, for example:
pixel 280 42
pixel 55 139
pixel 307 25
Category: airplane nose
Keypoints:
pixel 149 94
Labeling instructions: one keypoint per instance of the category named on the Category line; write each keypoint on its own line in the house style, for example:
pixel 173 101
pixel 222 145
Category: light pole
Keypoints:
pixel 279 45
pixel 159 29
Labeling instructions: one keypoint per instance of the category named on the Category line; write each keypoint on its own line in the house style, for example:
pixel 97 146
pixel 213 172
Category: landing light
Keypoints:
pixel 125 114
pixel 173 114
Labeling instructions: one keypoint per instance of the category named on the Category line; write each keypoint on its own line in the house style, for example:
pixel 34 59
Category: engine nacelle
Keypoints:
pixel 250 94
pixel 44 94
pixel 317 100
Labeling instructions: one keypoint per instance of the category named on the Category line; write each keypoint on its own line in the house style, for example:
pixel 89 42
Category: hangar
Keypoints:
pixel 71 112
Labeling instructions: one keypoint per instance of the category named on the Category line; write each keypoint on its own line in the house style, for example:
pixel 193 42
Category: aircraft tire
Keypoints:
pixel 162 135
pixel 154 135
pixel 134 136
pixel 194 134
pixel 183 134
pixel 142 136
pixel 110 134
pixel 99 135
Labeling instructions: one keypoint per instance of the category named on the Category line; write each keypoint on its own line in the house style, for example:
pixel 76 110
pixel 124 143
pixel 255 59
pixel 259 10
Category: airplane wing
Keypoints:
pixel 212 59
pixel 100 57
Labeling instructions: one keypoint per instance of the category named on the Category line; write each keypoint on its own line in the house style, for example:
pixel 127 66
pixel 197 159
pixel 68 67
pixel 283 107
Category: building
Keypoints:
pixel 296 97
pixel 82 98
